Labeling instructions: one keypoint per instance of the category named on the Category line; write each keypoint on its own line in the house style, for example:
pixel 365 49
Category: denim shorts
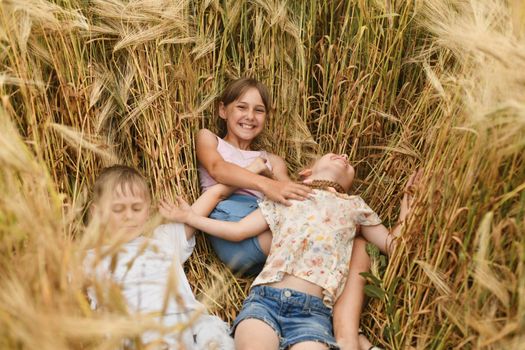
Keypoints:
pixel 296 317
pixel 245 257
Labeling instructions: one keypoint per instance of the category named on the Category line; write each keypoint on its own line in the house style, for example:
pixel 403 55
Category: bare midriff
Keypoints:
pixel 299 285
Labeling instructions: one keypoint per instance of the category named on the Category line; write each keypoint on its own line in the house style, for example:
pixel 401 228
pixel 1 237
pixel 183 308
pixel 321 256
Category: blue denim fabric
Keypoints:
pixel 246 256
pixel 296 317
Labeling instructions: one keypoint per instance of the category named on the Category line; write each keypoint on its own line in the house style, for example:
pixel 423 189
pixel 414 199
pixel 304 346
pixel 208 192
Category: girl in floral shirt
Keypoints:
pixel 291 301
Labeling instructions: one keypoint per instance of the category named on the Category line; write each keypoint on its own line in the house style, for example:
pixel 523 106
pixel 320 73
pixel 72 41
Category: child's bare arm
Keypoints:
pixel 379 234
pixel 250 226
pixel 231 174
pixel 280 172
pixel 209 199
pixel 205 204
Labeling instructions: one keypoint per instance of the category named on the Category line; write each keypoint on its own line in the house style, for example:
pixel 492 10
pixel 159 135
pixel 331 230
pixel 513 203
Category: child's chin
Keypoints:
pixel 132 230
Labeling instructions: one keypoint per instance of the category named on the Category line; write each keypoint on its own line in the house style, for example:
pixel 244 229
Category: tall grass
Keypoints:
pixel 398 85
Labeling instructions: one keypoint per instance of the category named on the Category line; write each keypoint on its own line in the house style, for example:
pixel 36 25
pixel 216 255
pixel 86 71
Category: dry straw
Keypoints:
pixel 397 85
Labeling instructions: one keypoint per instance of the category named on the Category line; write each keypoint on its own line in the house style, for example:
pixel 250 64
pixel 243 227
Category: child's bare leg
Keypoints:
pixel 265 241
pixel 309 345
pixel 347 309
pixel 255 334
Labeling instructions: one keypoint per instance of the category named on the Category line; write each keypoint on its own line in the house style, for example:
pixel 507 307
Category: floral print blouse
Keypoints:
pixel 313 239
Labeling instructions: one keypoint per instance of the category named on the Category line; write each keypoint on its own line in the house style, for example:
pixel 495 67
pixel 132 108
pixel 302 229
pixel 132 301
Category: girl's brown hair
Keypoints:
pixel 238 87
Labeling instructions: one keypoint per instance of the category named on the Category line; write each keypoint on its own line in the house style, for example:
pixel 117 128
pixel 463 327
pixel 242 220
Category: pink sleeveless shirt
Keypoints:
pixel 232 154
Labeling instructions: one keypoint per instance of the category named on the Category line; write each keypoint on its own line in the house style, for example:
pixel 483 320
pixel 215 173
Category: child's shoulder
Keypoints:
pixel 355 199
pixel 206 134
pixel 350 201
pixel 172 229
pixel 206 140
pixel 352 197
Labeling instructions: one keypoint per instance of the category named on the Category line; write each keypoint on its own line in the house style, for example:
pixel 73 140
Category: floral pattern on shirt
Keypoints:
pixel 313 239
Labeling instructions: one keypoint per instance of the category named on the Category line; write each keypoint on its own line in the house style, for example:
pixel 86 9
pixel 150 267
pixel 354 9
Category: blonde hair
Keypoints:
pixel 122 176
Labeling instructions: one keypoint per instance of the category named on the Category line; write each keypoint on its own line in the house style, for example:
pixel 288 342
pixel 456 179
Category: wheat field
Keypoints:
pixel 437 85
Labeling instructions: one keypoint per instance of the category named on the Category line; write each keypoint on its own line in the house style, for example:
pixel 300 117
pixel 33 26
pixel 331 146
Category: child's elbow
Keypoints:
pixel 223 196
pixel 217 193
pixel 215 171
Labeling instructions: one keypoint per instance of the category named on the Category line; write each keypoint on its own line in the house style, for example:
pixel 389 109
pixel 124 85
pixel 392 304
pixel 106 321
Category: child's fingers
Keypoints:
pixel 295 196
pixel 165 205
pixel 419 175
pixel 301 190
pixel 164 211
pixel 415 177
pixel 181 203
pixel 166 202
pixel 408 197
pixel 283 200
pixel 412 181
pixel 407 201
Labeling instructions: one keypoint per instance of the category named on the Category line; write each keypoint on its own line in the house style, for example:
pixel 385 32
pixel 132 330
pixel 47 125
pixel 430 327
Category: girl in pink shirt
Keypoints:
pixel 243 106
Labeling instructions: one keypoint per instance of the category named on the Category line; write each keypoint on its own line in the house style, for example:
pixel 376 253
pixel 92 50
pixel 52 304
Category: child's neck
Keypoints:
pixel 240 144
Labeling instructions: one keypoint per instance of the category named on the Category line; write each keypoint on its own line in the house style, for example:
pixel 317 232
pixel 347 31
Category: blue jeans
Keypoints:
pixel 245 257
pixel 296 317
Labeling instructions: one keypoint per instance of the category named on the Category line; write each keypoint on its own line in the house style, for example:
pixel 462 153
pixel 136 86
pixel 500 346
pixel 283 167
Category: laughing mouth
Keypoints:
pixel 247 126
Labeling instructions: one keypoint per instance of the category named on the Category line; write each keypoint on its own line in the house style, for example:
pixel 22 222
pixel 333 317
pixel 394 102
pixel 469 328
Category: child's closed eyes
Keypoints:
pixel 119 208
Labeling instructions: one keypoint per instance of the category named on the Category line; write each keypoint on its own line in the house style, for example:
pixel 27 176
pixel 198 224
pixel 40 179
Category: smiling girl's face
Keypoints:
pixel 245 117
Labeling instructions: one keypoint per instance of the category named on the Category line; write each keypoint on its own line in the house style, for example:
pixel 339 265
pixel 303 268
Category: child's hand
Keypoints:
pixel 179 212
pixel 408 197
pixel 258 166
pixel 283 191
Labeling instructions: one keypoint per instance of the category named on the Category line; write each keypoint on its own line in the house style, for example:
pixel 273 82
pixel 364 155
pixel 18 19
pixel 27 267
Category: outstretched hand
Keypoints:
pixel 178 212
pixel 408 196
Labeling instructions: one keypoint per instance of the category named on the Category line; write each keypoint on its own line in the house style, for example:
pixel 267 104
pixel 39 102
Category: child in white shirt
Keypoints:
pixel 148 267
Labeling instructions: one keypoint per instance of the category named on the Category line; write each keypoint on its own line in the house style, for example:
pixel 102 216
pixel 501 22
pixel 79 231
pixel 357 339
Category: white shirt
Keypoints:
pixel 143 269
